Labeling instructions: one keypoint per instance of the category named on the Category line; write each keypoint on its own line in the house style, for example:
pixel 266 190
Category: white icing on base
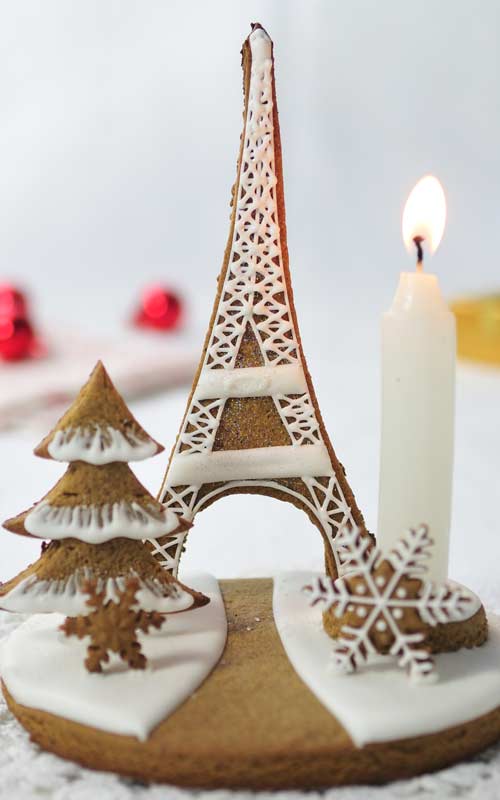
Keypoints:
pixel 250 382
pixel 99 446
pixel 43 669
pixel 378 703
pixel 97 524
pixel 259 462
pixel 66 597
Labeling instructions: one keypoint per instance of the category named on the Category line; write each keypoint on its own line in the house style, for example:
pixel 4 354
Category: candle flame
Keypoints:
pixel 424 215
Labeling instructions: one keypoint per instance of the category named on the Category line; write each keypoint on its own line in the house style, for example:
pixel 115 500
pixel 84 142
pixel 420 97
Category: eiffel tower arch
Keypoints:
pixel 252 422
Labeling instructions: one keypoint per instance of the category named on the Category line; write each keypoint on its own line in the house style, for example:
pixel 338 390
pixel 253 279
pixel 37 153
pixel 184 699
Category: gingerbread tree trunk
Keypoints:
pixel 96 516
pixel 252 422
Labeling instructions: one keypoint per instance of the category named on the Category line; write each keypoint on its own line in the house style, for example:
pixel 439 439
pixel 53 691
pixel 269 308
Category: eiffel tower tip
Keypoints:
pixel 258 32
pixel 259 43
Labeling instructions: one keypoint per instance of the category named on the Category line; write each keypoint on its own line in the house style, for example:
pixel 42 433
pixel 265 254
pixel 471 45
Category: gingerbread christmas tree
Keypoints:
pixel 96 516
pixel 252 422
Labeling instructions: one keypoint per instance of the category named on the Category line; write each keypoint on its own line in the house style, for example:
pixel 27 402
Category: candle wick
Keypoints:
pixel 420 251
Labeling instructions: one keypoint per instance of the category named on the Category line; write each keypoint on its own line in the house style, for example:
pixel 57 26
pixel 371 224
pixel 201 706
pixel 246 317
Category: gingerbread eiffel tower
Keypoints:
pixel 252 423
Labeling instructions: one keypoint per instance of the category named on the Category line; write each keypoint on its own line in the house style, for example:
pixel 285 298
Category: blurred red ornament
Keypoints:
pixel 160 308
pixel 17 339
pixel 12 302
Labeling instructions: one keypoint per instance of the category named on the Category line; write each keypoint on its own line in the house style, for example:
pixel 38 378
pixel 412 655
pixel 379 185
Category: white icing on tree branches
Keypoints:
pixel 68 596
pixel 99 523
pixel 388 600
pixel 99 445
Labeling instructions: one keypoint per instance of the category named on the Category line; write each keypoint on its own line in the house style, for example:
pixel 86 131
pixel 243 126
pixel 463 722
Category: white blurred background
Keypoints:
pixel 118 143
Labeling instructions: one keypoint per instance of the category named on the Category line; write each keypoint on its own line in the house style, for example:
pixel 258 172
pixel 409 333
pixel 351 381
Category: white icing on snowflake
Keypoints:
pixel 383 602
pixel 99 445
pixel 96 524
pixel 67 596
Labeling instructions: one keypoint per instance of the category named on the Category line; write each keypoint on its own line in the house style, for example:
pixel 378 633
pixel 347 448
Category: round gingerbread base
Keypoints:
pixel 254 724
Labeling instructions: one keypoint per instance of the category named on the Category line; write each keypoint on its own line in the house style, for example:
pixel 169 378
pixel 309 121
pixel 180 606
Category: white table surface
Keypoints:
pixel 244 536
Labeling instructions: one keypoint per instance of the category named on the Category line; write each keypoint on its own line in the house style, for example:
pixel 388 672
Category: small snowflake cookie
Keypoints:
pixel 112 625
pixel 385 603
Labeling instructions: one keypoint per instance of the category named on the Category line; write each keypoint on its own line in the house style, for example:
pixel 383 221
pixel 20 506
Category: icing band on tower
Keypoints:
pixel 274 462
pixel 252 422
pixel 254 382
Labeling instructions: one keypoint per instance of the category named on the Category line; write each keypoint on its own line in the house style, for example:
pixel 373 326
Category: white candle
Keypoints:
pixel 418 393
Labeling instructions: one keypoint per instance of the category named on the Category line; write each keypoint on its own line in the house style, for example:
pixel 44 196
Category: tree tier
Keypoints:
pixel 56 581
pixel 95 504
pixel 98 428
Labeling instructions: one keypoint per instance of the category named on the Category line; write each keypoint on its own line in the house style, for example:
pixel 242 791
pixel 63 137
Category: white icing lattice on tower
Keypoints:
pixel 198 436
pixel 254 296
pixel 255 292
pixel 297 414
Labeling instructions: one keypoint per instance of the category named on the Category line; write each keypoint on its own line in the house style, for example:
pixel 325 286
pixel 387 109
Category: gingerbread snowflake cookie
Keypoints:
pixel 112 626
pixel 385 603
